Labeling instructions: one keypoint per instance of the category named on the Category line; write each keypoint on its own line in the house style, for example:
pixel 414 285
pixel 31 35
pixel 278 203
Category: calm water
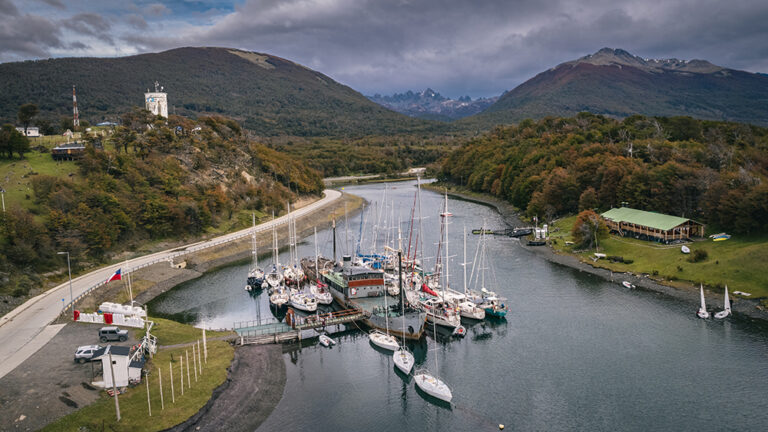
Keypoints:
pixel 575 353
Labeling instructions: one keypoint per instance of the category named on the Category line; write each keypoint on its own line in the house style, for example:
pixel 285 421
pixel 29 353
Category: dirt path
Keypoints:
pixel 253 389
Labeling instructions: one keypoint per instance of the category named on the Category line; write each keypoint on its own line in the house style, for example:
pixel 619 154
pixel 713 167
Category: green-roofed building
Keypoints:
pixel 629 222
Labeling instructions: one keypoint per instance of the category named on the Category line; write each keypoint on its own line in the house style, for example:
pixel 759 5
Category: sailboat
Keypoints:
pixel 431 384
pixel 488 300
pixel 318 289
pixel 468 309
pixel 403 357
pixel 278 294
pixel 702 312
pixel 440 310
pixel 255 274
pixel 382 339
pixel 726 306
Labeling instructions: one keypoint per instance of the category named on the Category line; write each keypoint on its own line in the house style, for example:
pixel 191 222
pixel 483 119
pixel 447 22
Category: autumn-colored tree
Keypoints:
pixel 589 229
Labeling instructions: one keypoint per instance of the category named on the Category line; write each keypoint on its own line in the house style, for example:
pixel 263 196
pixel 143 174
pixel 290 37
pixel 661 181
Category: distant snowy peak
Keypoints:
pixel 620 57
pixel 431 104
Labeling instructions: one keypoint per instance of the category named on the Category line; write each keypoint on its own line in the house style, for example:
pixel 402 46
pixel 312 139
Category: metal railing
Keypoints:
pixel 188 250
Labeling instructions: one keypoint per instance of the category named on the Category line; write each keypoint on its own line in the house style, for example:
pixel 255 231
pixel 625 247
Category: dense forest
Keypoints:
pixel 715 172
pixel 171 180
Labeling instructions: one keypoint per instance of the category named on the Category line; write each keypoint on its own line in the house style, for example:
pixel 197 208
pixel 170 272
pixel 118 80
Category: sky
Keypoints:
pixel 478 48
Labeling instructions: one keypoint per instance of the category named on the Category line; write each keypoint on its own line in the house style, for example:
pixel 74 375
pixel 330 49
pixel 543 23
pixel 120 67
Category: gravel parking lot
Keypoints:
pixel 50 385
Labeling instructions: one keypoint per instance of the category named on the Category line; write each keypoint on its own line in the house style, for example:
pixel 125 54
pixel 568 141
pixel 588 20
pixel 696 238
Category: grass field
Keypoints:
pixel 15 176
pixel 171 332
pixel 738 262
pixel 133 404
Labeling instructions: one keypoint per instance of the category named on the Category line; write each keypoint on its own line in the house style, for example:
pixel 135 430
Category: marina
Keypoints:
pixel 574 351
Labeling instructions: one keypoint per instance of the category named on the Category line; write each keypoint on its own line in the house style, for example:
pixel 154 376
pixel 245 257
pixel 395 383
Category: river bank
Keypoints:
pixel 688 293
pixel 255 376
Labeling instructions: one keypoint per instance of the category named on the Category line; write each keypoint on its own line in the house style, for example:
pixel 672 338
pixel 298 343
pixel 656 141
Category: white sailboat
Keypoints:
pixel 381 339
pixel 318 289
pixel 403 357
pixel 726 306
pixel 431 384
pixel 702 312
pixel 275 276
pixel 303 301
pixel 468 309
pixel 255 273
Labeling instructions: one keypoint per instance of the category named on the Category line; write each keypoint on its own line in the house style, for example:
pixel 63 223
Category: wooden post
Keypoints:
pixel 173 396
pixel 181 372
pixel 160 378
pixel 205 347
pixel 194 361
pixel 199 358
pixel 149 404
pixel 189 381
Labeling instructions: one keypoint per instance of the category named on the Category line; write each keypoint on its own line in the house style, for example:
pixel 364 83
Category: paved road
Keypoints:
pixel 26 329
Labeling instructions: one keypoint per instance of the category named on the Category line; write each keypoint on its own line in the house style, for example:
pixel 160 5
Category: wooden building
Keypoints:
pixel 645 225
pixel 68 151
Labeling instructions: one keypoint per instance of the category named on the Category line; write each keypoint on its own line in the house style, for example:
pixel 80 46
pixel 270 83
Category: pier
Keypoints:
pixel 256 332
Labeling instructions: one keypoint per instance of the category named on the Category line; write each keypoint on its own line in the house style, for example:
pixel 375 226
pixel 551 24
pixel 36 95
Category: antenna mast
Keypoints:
pixel 76 119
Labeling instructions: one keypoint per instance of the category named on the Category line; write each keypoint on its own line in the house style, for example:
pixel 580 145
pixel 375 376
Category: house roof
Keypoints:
pixel 644 218
pixel 115 350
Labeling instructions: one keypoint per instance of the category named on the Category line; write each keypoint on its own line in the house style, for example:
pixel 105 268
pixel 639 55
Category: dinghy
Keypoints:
pixel 326 340
pixel 627 284
pixel 702 312
pixel 726 306
pixel 685 249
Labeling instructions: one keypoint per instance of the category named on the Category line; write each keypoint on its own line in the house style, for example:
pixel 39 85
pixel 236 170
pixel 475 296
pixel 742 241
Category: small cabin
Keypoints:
pixel 68 151
pixel 127 368
pixel 32 131
pixel 645 225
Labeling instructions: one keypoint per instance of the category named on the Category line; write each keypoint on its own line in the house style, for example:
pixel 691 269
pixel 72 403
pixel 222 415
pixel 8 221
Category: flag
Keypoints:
pixel 115 276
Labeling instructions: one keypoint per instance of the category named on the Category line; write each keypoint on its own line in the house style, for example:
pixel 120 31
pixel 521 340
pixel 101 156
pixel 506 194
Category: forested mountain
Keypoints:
pixel 266 94
pixel 715 172
pixel 616 83
pixel 430 104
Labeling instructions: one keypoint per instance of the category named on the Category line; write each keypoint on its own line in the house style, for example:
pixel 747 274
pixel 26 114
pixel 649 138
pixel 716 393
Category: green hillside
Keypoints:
pixel 266 94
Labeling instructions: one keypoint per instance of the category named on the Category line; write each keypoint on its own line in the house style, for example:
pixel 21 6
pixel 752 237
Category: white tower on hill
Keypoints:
pixel 156 102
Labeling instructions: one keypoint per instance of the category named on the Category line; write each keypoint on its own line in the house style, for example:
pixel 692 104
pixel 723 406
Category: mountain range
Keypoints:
pixel 272 96
pixel 266 94
pixel 431 105
pixel 616 83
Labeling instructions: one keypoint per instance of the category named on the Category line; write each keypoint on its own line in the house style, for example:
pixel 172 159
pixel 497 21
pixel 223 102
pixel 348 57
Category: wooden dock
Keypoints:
pixel 253 332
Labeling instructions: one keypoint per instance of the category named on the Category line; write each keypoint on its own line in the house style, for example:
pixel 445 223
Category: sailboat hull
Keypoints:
pixel 433 387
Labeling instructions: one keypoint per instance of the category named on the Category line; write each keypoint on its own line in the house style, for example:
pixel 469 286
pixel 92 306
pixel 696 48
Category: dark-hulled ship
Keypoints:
pixel 363 288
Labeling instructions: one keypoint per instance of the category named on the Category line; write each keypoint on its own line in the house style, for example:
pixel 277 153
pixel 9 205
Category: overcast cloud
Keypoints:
pixel 457 47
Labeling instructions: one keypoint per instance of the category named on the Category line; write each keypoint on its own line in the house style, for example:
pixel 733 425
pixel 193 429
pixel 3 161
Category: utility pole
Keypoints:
pixel 114 386
pixel 69 269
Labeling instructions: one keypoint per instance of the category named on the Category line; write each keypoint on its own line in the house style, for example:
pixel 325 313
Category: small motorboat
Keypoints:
pixel 685 249
pixel 627 284
pixel 326 341
pixel 702 312
pixel 248 288
pixel 720 237
pixel 460 331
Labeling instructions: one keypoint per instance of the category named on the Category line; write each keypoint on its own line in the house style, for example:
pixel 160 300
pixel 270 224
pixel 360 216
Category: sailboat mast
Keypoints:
pixel 421 237
pixel 274 241
pixel 333 226
pixel 317 273
pixel 464 264
pixel 445 264
pixel 253 242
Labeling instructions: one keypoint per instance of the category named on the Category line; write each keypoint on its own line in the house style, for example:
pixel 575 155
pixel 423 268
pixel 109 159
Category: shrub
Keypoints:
pixel 698 255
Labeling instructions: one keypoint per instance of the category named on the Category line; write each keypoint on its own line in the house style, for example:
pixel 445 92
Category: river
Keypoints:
pixel 574 353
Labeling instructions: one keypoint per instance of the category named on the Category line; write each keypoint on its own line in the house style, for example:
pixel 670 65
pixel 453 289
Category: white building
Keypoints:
pixel 127 369
pixel 156 102
pixel 32 132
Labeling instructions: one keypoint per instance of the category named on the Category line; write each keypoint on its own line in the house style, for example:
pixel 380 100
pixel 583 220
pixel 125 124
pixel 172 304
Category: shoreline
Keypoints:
pixel 747 307
pixel 256 376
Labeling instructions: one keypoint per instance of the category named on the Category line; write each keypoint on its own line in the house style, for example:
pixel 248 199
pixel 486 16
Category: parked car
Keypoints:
pixel 112 334
pixel 85 353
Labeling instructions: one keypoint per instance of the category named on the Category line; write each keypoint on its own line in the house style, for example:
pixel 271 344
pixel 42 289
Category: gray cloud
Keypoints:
pixel 479 47
pixel 8 9
pixel 55 3
pixel 90 24
pixel 28 36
